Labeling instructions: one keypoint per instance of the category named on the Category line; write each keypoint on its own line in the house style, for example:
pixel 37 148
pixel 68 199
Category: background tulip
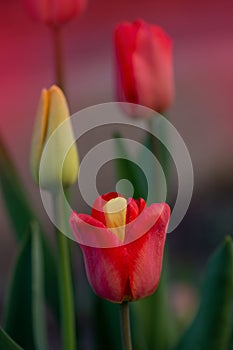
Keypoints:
pixel 144 65
pixel 52 112
pixel 129 271
pixel 54 12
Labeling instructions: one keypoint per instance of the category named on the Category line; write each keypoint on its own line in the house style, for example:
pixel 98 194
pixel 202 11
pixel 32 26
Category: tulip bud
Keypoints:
pixel 144 65
pixel 54 12
pixel 52 112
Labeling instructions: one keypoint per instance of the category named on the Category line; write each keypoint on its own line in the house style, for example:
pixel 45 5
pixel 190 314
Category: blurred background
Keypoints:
pixel 202 33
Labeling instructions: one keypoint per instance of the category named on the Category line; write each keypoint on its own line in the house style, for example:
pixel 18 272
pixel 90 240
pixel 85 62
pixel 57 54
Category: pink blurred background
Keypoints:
pixel 202 32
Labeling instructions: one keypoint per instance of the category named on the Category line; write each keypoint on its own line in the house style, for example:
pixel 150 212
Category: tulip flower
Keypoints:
pixel 122 244
pixel 54 12
pixel 52 112
pixel 144 65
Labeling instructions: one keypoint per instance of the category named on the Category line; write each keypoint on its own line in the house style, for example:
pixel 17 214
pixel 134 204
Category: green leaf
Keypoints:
pixel 21 214
pixel 153 326
pixel 211 328
pixel 16 202
pixel 6 343
pixel 50 278
pixel 25 319
pixel 38 302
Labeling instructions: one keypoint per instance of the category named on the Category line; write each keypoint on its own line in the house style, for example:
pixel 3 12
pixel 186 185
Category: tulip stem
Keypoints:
pixel 160 151
pixel 58 56
pixel 65 281
pixel 125 326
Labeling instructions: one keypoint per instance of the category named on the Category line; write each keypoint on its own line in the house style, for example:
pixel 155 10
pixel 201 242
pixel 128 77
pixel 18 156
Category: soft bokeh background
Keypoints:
pixel 202 32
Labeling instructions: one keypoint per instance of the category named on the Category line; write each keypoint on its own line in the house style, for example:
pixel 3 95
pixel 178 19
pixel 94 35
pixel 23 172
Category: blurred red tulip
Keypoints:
pixel 54 12
pixel 122 265
pixel 144 65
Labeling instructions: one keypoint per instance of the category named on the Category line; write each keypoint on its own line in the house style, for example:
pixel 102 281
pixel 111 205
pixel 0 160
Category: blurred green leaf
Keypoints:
pixel 20 213
pixel 153 325
pixel 50 278
pixel 13 191
pixel 6 343
pixel 25 319
pixel 211 328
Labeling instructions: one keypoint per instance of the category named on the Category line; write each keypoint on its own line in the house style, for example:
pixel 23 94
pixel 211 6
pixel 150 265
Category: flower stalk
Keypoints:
pixel 160 151
pixel 125 326
pixel 65 281
pixel 58 56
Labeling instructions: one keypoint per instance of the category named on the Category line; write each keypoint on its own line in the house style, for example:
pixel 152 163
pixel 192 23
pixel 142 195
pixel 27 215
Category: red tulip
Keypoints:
pixel 122 243
pixel 54 12
pixel 144 65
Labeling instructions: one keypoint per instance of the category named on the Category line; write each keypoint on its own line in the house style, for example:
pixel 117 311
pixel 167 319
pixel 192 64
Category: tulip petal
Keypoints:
pixel 63 10
pixel 107 271
pixel 144 66
pixel 97 209
pixel 91 232
pixel 141 204
pixel 40 134
pixel 60 163
pixel 144 221
pixel 54 12
pixel 134 208
pixel 125 45
pixel 146 256
pixel 153 67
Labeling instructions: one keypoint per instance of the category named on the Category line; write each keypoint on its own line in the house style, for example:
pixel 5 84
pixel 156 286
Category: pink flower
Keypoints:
pixel 122 244
pixel 144 65
pixel 54 12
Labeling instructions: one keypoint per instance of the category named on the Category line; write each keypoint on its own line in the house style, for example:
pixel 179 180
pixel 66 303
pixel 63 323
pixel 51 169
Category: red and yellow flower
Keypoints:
pixel 122 243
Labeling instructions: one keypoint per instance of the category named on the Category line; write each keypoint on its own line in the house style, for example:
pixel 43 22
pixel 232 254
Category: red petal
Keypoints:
pixel 132 210
pixel 107 271
pixel 152 64
pixel 97 209
pixel 144 222
pixel 145 256
pixel 125 43
pixel 55 11
pixel 141 204
pixel 91 232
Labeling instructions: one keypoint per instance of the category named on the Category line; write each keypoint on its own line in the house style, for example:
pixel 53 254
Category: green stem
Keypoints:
pixel 160 151
pixel 153 141
pixel 58 56
pixel 65 282
pixel 125 326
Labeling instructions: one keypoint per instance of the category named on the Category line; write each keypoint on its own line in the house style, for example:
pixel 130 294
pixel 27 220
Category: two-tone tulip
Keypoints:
pixel 60 163
pixel 122 243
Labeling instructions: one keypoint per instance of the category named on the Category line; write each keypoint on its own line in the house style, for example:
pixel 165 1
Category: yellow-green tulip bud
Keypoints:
pixel 58 167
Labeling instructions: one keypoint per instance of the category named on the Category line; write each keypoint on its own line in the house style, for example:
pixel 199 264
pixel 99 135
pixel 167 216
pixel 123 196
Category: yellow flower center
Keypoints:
pixel 115 216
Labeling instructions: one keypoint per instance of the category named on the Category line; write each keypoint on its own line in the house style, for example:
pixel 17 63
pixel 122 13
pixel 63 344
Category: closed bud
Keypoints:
pixel 54 12
pixel 53 141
